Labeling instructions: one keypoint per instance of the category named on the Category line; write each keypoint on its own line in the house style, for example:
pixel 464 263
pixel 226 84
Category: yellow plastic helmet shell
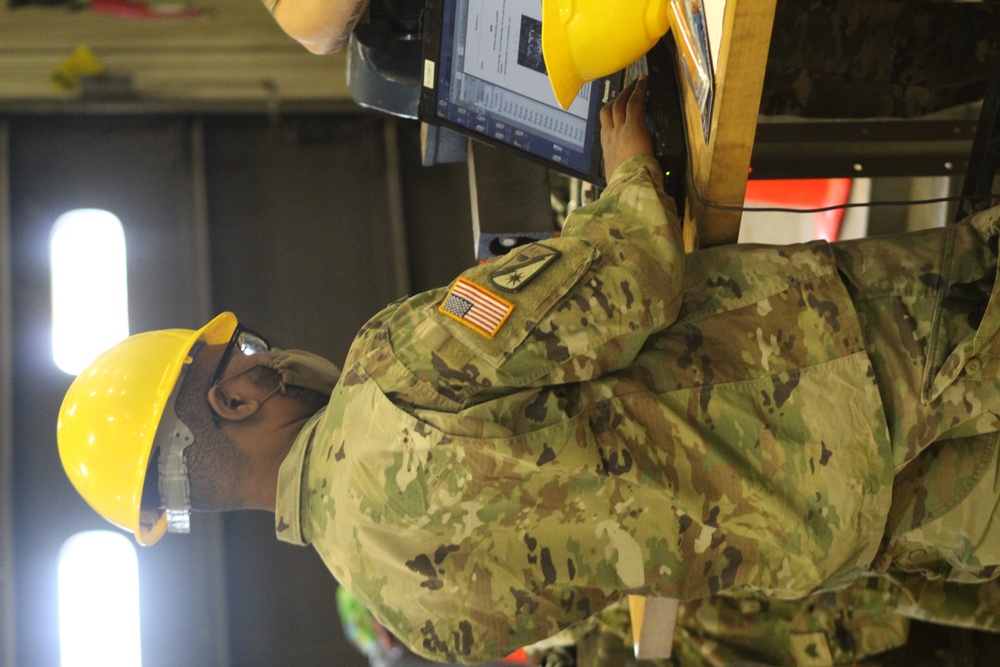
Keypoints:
pixel 583 40
pixel 110 414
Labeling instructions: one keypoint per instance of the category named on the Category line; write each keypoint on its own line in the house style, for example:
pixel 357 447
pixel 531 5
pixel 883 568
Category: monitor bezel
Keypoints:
pixel 432 27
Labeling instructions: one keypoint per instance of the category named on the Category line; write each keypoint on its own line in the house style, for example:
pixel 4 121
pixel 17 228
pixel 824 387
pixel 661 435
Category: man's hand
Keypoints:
pixel 624 133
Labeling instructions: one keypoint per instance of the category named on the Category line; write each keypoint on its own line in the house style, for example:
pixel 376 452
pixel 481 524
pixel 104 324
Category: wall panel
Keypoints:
pixel 139 169
pixel 233 51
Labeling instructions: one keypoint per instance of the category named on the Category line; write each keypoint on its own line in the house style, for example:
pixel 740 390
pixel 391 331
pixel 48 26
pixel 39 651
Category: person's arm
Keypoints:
pixel 565 309
pixel 322 26
pixel 634 210
pixel 624 134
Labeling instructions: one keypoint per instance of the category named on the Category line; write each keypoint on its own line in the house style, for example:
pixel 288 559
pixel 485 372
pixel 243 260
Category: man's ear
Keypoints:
pixel 230 403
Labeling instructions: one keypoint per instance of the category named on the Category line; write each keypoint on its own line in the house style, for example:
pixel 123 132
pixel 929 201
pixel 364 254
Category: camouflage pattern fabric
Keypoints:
pixel 972 606
pixel 360 629
pixel 833 628
pixel 864 58
pixel 922 300
pixel 640 422
pixel 605 416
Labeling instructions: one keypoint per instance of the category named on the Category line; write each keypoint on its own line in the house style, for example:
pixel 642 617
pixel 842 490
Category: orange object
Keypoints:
pixel 518 657
pixel 806 193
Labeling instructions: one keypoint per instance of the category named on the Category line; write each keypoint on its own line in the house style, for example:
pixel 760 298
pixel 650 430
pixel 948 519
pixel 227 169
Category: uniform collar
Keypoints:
pixel 288 514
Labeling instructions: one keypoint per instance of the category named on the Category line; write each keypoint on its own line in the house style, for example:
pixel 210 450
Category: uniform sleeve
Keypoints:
pixel 562 310
pixel 634 209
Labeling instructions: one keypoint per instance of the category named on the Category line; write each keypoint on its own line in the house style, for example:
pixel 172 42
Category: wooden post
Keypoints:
pixel 719 168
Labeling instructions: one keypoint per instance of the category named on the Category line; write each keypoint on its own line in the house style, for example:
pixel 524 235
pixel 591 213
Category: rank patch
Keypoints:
pixel 526 265
pixel 476 307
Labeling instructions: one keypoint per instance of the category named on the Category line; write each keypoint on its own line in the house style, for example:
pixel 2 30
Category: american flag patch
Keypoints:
pixel 476 307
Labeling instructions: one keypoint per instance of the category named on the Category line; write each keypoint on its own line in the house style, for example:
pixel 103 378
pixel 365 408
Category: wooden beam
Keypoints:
pixel 719 167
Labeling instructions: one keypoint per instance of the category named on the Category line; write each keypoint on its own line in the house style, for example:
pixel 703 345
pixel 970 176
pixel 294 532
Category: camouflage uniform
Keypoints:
pixel 976 607
pixel 922 300
pixel 609 416
pixel 866 58
pixel 833 628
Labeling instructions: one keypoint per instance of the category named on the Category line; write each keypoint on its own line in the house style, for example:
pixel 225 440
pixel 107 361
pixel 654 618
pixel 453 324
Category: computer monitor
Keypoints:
pixel 484 76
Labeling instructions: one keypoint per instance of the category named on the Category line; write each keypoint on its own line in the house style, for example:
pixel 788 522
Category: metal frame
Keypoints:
pixel 201 278
pixel 8 645
pixel 141 107
pixel 397 214
pixel 856 148
pixel 984 158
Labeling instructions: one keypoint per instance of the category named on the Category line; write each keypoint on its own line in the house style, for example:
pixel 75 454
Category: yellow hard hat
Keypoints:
pixel 110 414
pixel 583 40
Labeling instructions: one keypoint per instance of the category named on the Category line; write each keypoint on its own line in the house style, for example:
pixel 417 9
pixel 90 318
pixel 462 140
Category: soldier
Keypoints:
pixel 586 417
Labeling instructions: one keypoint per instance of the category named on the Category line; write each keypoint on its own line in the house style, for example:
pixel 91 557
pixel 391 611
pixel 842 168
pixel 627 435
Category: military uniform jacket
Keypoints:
pixel 607 416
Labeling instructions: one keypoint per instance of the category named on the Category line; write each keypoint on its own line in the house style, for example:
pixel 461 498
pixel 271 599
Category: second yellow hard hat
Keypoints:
pixel 583 40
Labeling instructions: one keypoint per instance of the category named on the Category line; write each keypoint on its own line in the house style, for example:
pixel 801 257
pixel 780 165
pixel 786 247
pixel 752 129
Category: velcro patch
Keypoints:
pixel 476 307
pixel 523 266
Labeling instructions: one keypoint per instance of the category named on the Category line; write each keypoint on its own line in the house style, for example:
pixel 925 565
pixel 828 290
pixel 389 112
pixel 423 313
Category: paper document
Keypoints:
pixel 691 25
pixel 715 11
pixel 504 47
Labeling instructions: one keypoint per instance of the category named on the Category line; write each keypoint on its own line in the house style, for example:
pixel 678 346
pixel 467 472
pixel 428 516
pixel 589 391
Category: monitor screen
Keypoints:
pixel 490 81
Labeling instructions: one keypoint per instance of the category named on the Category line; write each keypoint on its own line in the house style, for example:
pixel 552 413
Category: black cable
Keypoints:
pixel 871 204
pixel 693 189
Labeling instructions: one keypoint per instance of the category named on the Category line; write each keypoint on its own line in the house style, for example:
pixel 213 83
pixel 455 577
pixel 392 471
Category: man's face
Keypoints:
pixel 214 462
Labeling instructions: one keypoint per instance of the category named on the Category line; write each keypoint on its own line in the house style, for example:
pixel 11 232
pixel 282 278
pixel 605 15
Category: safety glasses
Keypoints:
pixel 246 341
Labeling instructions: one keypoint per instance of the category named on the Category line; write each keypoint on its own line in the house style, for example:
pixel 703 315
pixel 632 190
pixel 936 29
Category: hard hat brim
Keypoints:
pixel 217 332
pixel 558 55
